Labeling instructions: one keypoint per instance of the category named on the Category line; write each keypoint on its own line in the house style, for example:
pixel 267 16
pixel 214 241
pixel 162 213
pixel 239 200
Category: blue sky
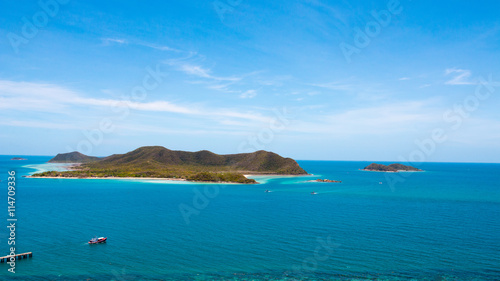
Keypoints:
pixel 327 80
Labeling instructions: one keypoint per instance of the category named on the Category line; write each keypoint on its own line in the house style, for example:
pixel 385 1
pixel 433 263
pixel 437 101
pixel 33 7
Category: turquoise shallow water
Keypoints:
pixel 441 224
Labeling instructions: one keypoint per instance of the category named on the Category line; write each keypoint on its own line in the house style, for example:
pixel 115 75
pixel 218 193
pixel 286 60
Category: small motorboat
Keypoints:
pixel 314 193
pixel 267 190
pixel 96 240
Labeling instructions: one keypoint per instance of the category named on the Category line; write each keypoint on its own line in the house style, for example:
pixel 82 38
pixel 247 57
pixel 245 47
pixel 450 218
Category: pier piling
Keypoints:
pixel 17 257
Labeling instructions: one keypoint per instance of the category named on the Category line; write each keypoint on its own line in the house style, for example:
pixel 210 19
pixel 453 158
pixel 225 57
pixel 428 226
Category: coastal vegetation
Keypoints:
pixel 160 162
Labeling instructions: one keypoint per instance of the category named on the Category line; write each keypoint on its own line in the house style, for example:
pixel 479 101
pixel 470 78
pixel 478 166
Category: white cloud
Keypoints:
pixel 404 78
pixel 192 65
pixel 248 94
pixel 461 77
pixel 163 106
pixel 477 132
pixel 158 47
pixel 222 87
pixel 360 89
pixel 43 97
pixel 37 124
pixel 338 86
pixel 195 70
pixel 199 71
pixel 108 41
pixel 382 120
pixel 121 41
pixel 276 81
pixel 34 96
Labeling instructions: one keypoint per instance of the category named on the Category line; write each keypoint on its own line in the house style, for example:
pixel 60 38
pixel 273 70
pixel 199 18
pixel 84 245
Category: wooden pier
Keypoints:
pixel 17 257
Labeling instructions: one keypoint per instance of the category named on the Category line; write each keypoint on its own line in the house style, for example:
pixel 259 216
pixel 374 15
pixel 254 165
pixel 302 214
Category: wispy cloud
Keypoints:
pixel 461 77
pixel 38 124
pixel 195 70
pixel 379 120
pixel 248 94
pixel 108 41
pixel 221 87
pixel 158 47
pixel 276 81
pixel 128 128
pixel 357 88
pixel 43 97
pixel 192 66
pixel 34 96
pixel 338 86
pixel 200 71
pixel 47 97
pixel 122 41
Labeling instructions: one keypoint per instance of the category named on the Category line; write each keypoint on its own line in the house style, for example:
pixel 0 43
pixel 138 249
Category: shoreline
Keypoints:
pixel 276 175
pixel 106 178
pixel 166 179
pixel 137 178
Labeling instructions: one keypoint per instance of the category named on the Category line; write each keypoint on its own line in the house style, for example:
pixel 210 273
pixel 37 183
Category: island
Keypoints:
pixel 396 167
pixel 324 180
pixel 18 158
pixel 158 162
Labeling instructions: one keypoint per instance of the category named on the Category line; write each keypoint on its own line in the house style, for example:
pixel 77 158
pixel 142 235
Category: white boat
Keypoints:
pixel 96 240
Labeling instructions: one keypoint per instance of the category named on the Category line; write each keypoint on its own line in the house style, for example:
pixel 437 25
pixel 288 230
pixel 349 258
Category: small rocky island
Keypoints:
pixel 161 163
pixel 325 180
pixel 18 158
pixel 396 167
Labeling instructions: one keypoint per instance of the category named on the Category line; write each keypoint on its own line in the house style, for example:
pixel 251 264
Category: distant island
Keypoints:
pixel 324 180
pixel 18 158
pixel 396 167
pixel 160 162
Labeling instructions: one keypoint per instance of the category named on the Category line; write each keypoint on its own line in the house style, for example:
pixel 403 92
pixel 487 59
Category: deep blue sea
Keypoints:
pixel 440 224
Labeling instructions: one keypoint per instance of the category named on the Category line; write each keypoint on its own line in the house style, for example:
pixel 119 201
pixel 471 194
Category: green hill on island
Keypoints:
pixel 396 167
pixel 73 157
pixel 160 162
